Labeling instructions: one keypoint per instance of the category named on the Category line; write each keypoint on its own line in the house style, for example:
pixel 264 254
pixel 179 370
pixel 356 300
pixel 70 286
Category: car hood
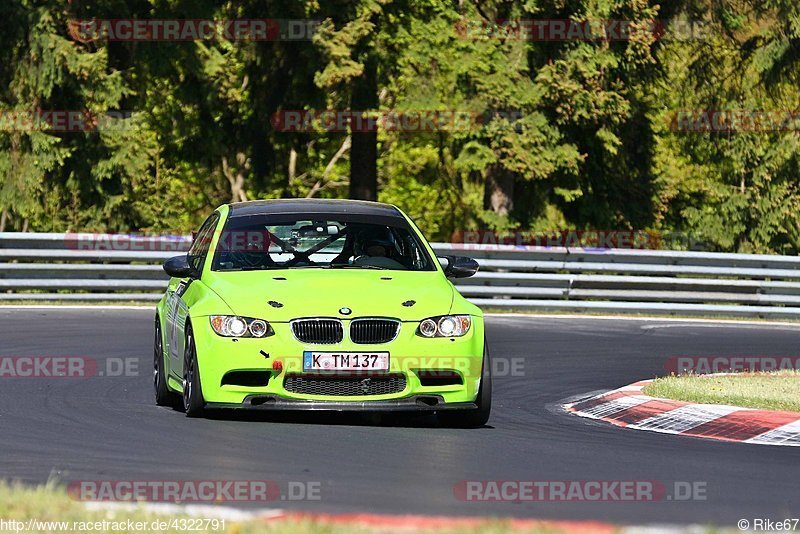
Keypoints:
pixel 320 292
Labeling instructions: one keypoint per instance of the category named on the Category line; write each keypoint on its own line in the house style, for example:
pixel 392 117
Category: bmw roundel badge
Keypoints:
pixel 345 311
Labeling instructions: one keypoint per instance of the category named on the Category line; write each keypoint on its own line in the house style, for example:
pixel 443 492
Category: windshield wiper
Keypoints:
pixel 347 266
pixel 243 268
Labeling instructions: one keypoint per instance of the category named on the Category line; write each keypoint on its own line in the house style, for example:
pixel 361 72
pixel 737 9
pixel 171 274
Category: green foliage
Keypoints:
pixel 585 128
pixel 733 190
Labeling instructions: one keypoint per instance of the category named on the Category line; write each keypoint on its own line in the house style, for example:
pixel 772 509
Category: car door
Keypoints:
pixel 177 308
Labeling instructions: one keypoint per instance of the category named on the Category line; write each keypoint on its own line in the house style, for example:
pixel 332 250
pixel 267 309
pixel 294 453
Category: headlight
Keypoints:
pixel 258 328
pixel 445 326
pixel 235 326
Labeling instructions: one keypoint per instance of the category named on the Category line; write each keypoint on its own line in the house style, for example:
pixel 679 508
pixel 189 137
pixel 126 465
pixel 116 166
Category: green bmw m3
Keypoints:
pixel 319 305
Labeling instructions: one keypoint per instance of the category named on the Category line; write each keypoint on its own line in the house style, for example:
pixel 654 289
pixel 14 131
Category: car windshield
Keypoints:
pixel 258 243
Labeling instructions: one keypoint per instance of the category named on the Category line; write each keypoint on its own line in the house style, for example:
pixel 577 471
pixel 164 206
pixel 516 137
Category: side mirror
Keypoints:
pixel 459 266
pixel 178 267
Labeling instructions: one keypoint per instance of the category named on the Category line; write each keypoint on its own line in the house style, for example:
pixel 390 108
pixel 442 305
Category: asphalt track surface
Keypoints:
pixel 109 428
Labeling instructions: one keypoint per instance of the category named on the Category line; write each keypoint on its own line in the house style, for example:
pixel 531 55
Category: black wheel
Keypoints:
pixel 193 402
pixel 475 418
pixel 164 397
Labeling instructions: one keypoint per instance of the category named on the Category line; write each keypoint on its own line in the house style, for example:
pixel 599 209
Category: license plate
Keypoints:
pixel 345 361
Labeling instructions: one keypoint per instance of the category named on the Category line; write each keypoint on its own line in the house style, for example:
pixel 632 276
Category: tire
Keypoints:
pixel 474 418
pixel 193 402
pixel 164 397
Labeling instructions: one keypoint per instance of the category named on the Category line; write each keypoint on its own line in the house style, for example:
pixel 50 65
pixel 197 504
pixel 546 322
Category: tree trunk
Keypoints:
pixel 236 180
pixel 364 150
pixel 499 192
pixel 292 164
pixel 322 182
pixel 3 220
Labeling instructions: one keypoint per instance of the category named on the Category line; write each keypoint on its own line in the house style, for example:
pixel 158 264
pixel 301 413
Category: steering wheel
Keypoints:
pixel 251 258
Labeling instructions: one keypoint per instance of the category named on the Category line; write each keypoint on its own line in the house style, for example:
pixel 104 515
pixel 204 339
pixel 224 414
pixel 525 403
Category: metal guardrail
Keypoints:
pixel 87 267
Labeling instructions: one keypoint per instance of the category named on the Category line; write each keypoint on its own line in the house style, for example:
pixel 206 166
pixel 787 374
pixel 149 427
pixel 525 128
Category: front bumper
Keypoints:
pixel 410 355
pixel 416 403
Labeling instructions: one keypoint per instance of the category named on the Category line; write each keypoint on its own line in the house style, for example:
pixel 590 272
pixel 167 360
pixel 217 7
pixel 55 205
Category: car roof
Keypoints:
pixel 315 206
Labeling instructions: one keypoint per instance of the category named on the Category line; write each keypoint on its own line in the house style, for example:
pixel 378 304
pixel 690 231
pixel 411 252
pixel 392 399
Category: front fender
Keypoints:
pixel 204 301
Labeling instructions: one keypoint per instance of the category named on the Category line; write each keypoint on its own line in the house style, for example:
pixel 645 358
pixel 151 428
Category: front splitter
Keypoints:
pixel 416 403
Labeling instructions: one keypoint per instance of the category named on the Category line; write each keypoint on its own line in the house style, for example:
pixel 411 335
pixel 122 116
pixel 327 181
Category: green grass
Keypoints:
pixel 50 503
pixel 770 391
